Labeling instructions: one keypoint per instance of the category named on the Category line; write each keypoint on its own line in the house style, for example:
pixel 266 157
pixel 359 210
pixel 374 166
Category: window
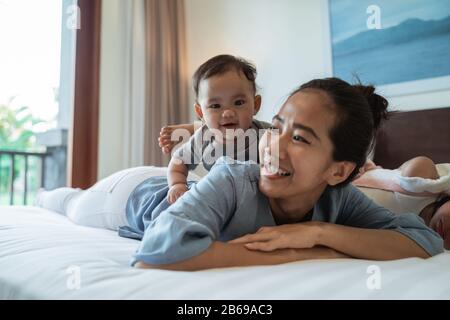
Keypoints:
pixel 36 87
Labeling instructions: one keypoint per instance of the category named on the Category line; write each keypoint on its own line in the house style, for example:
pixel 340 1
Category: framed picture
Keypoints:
pixel 401 46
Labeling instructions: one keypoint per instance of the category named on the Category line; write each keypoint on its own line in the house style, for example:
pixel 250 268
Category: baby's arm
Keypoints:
pixel 421 167
pixel 184 159
pixel 165 142
pixel 177 179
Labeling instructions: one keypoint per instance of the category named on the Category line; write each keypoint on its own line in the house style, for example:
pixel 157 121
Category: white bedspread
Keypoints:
pixel 42 254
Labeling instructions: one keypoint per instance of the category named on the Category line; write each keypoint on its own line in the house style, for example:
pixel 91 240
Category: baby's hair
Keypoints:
pixel 219 65
pixel 442 199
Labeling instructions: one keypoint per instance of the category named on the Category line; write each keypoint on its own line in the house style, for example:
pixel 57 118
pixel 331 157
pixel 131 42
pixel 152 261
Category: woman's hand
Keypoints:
pixel 288 236
pixel 176 191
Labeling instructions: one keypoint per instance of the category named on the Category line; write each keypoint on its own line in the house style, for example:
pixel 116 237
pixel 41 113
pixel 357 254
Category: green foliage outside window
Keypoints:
pixel 17 133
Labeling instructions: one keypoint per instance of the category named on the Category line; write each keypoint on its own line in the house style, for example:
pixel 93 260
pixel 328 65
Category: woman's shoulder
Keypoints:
pixel 343 196
pixel 343 204
pixel 347 190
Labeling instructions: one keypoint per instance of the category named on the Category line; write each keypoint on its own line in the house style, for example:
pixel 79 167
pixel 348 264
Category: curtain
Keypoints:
pixel 166 80
pixel 134 83
pixel 83 149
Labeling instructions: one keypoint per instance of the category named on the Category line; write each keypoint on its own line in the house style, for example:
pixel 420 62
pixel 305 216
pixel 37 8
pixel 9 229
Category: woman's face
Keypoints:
pixel 296 154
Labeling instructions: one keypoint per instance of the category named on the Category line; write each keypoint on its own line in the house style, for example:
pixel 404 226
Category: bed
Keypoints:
pixel 43 255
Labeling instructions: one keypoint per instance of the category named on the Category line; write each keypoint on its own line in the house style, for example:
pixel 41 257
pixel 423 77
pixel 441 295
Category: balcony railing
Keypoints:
pixel 15 155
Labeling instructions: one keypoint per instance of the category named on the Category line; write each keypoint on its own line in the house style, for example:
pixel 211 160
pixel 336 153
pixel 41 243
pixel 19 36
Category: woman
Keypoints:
pixel 304 208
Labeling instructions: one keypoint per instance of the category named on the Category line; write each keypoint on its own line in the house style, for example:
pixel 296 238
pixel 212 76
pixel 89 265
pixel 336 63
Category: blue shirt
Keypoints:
pixel 227 204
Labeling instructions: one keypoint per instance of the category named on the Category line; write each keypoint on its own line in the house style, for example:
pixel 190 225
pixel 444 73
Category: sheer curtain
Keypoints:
pixel 166 81
pixel 155 77
pixel 134 82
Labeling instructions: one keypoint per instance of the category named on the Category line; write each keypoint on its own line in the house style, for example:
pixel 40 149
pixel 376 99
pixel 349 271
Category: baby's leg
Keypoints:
pixel 421 167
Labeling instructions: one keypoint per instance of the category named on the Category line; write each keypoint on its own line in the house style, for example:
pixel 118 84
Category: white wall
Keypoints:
pixel 284 38
pixel 112 88
pixel 426 100
pixel 287 39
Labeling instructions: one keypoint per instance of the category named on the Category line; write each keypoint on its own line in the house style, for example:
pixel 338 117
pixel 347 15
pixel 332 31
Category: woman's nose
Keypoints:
pixel 278 145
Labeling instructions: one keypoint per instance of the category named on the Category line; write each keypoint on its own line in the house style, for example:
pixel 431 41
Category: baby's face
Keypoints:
pixel 441 223
pixel 227 102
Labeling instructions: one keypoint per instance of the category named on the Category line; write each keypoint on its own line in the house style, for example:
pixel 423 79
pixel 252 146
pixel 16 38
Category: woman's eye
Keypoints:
pixel 300 139
pixel 214 106
pixel 239 102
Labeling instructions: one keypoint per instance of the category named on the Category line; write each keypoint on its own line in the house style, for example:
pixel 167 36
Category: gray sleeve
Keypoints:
pixel 191 152
pixel 190 225
pixel 261 124
pixel 357 210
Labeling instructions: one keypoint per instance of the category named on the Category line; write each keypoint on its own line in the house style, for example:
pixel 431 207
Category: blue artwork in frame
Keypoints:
pixel 386 42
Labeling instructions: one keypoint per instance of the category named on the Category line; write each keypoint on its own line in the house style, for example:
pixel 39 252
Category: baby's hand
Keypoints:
pixel 165 142
pixel 176 191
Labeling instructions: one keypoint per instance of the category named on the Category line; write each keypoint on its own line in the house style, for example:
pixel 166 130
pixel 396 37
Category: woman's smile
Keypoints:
pixel 270 168
pixel 271 172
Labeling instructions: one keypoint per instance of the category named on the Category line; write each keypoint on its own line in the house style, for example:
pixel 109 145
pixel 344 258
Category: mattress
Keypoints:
pixel 43 255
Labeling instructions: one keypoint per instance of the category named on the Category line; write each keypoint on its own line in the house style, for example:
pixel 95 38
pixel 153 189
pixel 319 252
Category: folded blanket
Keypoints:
pixel 392 180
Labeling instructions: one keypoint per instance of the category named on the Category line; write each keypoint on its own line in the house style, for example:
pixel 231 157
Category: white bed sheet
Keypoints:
pixel 41 253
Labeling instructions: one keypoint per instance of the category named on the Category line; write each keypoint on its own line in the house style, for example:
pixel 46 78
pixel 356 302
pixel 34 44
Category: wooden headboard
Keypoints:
pixel 406 135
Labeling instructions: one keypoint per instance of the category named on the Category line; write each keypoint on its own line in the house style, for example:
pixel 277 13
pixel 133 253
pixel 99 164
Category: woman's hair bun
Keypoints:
pixel 378 104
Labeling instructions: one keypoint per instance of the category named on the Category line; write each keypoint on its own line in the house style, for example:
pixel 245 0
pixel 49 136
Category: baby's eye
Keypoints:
pixel 300 139
pixel 214 106
pixel 239 102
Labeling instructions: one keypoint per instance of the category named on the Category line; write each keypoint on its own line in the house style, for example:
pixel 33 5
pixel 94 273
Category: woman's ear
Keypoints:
pixel 198 110
pixel 257 105
pixel 340 171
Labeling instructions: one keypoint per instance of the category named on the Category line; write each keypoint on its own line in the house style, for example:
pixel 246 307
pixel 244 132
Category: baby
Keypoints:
pixel 416 186
pixel 226 101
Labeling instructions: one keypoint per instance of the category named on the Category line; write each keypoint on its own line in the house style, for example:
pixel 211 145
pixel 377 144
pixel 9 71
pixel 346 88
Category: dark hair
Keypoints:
pixel 221 64
pixel 359 111
pixel 440 201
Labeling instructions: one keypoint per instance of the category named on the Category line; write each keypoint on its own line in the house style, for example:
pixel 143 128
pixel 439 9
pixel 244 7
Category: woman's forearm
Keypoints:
pixel 223 255
pixel 373 244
